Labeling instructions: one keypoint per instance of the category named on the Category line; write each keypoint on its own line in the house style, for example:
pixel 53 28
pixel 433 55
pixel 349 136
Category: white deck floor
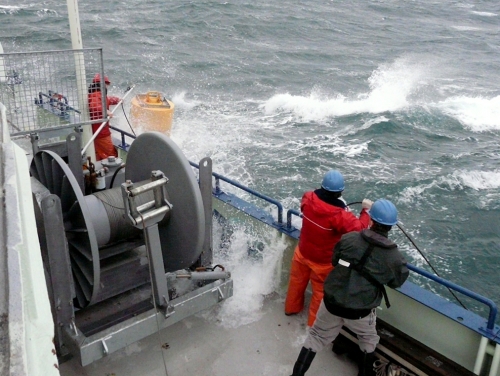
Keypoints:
pixel 269 346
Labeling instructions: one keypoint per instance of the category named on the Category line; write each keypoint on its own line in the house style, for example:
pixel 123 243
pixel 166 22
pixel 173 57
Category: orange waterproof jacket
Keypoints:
pixel 323 225
pixel 95 110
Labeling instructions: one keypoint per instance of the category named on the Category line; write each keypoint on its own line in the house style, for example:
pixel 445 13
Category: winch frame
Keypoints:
pixel 95 331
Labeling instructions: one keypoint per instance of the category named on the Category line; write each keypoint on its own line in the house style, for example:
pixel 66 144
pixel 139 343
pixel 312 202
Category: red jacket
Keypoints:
pixel 95 110
pixel 323 225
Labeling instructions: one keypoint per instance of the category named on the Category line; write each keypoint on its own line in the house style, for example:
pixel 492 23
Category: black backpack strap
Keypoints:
pixel 368 252
pixel 359 267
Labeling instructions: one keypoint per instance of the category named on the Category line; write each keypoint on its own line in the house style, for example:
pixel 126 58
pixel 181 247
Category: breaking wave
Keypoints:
pixel 478 114
pixel 391 88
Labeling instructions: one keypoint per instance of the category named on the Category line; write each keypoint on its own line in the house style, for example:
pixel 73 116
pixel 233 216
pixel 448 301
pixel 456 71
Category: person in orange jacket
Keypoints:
pixel 326 218
pixel 103 144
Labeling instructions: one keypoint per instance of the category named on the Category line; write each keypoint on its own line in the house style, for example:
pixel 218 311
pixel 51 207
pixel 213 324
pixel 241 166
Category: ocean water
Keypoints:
pixel 403 97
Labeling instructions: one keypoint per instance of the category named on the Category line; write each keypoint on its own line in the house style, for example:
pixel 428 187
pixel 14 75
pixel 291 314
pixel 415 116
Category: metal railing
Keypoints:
pixel 253 192
pixel 289 214
pixel 471 294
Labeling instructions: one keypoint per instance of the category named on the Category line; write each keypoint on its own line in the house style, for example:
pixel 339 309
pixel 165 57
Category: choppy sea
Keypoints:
pixel 403 97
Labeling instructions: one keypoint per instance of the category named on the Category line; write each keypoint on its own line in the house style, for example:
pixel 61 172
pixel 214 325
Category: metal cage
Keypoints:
pixel 47 90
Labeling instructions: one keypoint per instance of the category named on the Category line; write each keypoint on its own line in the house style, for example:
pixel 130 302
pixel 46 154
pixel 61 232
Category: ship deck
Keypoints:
pixel 198 345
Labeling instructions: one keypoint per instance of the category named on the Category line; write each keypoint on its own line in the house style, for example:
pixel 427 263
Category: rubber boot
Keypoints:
pixel 366 364
pixel 303 362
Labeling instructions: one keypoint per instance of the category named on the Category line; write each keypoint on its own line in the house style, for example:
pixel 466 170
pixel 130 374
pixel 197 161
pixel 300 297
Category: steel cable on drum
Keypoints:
pixel 120 227
pixel 113 204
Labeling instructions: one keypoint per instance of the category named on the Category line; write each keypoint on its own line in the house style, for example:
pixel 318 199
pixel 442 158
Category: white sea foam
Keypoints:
pixel 485 14
pixel 458 180
pixel 466 6
pixel 352 150
pixel 476 113
pixel 180 101
pixel 413 194
pixel 478 180
pixel 466 28
pixel 10 7
pixel 390 87
pixel 219 134
pixel 253 273
pixel 14 9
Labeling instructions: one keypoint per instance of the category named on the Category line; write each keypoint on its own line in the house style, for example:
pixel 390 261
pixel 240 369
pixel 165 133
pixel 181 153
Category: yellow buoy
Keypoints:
pixel 149 112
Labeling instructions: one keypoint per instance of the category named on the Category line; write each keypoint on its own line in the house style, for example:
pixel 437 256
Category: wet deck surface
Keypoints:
pixel 199 346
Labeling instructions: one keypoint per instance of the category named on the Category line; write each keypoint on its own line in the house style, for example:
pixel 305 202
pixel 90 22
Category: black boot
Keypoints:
pixel 303 362
pixel 366 364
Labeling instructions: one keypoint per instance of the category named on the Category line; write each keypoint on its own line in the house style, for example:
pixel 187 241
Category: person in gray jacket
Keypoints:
pixel 363 263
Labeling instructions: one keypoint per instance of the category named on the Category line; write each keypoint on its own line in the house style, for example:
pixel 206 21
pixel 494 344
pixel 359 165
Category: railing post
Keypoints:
pixel 495 361
pixel 481 352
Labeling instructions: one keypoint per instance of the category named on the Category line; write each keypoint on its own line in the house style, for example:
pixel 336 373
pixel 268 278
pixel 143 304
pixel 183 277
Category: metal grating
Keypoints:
pixel 46 90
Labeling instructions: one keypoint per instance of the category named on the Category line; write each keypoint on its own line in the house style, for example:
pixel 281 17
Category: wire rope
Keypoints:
pixel 421 253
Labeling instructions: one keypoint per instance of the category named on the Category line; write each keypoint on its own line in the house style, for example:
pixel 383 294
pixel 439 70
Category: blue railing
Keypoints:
pixel 218 191
pixel 123 145
pixel 493 308
pixel 289 228
pixel 289 214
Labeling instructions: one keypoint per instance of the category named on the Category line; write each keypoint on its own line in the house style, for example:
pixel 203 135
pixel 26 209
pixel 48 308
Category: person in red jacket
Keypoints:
pixel 103 144
pixel 326 218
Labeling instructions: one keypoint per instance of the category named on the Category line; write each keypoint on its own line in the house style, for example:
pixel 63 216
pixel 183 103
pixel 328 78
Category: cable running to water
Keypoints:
pixel 422 254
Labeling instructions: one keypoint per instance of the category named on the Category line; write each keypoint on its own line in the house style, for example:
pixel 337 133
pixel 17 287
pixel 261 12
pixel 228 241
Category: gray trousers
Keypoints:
pixel 327 327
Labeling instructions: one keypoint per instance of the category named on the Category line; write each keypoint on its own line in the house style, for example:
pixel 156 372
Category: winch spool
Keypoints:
pixel 152 112
pixel 104 247
pixel 182 240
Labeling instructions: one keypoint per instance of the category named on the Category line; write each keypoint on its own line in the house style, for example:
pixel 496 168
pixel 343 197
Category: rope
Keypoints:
pixel 428 262
pixel 321 227
pixel 126 118
pixel 114 175
pixel 386 368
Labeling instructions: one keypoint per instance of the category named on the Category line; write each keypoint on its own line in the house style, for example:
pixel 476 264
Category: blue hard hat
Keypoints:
pixel 384 212
pixel 333 181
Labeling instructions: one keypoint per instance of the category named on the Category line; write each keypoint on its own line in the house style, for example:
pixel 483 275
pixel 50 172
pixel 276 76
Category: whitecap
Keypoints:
pixel 390 87
pixel 476 113
pixel 9 9
pixel 485 14
pixel 479 180
pixel 466 28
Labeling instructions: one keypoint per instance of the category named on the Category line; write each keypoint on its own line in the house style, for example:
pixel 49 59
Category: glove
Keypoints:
pixel 366 204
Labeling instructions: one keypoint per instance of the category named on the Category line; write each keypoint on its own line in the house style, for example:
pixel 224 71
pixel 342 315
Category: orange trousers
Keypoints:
pixel 104 148
pixel 301 273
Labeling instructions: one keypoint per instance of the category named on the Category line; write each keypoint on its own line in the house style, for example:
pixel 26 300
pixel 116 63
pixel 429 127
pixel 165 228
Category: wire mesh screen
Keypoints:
pixel 46 90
